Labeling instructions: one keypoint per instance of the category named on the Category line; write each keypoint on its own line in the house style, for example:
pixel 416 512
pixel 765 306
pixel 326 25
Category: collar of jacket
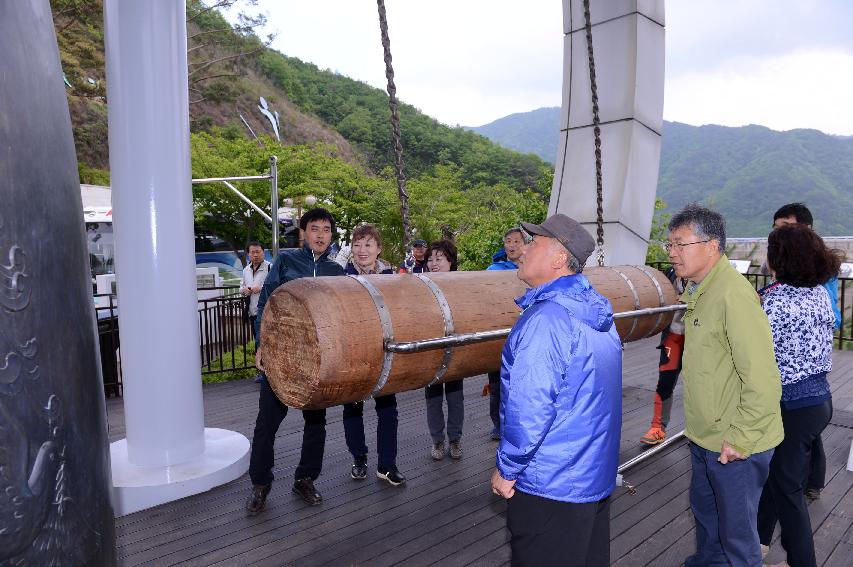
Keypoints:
pixel 691 297
pixel 307 250
pixel 572 283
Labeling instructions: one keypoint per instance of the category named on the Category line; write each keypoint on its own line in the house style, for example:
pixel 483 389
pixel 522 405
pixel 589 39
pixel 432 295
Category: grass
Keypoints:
pixel 225 361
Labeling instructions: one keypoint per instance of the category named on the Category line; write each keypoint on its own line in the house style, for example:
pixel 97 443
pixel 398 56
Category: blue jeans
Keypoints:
pixel 386 430
pixel 724 500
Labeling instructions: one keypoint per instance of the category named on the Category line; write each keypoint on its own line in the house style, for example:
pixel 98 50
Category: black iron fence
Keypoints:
pixel 226 339
pixel 843 336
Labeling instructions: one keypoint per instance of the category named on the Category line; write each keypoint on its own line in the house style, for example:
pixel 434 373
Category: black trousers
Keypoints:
pixel 817 468
pixel 549 532
pixel 782 498
pixel 271 412
pixel 495 398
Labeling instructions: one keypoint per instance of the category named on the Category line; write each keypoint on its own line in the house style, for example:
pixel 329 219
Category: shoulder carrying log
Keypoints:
pixel 325 338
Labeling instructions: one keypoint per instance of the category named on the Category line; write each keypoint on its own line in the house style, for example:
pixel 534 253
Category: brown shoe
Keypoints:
pixel 258 499
pixel 304 487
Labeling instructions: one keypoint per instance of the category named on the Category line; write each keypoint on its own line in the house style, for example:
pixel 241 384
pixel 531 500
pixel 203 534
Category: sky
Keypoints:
pixel 783 64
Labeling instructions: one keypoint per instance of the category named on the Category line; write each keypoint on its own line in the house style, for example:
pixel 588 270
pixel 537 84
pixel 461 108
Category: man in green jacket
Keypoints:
pixel 731 391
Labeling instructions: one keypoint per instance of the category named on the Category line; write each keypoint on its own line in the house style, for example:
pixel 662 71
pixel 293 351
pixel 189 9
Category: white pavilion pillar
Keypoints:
pixel 167 454
pixel 628 44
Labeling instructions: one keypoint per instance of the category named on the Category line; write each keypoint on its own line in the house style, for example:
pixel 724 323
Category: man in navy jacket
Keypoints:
pixel 561 404
pixel 310 261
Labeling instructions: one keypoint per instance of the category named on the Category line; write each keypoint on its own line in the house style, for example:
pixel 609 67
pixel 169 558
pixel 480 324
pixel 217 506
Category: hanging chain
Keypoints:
pixel 395 128
pixel 596 130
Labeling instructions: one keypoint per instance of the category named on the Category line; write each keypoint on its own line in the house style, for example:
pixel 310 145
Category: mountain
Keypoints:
pixel 745 172
pixel 535 132
pixel 229 69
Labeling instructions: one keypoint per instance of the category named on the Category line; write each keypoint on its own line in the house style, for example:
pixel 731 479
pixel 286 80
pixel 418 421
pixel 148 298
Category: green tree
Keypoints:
pixel 655 251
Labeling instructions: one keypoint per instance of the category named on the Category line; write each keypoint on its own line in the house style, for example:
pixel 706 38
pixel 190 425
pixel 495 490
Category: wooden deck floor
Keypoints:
pixel 445 514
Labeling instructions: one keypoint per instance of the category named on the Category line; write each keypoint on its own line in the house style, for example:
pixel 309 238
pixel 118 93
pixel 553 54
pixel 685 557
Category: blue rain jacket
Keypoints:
pixel 501 262
pixel 561 394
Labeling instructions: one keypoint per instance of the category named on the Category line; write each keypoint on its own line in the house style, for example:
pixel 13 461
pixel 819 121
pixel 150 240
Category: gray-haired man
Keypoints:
pixel 731 391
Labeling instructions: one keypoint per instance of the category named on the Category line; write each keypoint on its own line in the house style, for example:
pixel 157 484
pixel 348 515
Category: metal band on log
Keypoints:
pixel 324 341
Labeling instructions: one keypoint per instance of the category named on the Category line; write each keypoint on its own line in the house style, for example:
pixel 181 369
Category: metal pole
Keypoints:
pixel 238 178
pixel 248 201
pixel 482 336
pixel 650 452
pixel 273 176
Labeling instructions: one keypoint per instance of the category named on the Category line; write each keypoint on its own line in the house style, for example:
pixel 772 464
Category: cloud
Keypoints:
pixel 780 63
pixel 803 89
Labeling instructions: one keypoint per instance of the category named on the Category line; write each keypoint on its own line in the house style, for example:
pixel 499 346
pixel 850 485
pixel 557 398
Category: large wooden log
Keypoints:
pixel 324 338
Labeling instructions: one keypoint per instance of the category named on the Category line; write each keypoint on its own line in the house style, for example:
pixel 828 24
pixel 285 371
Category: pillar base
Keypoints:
pixel 225 458
pixel 850 458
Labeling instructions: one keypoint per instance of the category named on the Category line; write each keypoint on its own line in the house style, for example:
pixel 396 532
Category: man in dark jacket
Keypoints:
pixel 416 263
pixel 310 261
pixel 561 405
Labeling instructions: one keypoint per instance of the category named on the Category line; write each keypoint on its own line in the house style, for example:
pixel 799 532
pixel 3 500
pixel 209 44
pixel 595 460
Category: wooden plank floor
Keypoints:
pixel 445 514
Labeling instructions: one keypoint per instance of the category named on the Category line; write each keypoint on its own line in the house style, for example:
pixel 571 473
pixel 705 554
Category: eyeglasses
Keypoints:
pixel 681 245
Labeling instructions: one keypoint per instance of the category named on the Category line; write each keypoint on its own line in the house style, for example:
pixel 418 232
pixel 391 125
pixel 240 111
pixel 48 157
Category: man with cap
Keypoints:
pixel 561 405
pixel 416 263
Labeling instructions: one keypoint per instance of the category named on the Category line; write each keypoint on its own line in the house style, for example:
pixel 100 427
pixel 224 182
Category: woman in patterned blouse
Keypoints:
pixel 801 320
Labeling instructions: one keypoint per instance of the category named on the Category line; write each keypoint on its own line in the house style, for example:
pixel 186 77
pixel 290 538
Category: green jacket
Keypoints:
pixel 731 381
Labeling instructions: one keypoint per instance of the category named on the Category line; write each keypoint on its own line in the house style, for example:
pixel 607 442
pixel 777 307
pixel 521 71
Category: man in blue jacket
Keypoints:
pixel 561 405
pixel 311 260
pixel 504 259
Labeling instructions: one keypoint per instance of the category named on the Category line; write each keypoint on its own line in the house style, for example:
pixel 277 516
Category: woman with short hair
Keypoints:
pixel 801 320
pixel 442 257
pixel 364 260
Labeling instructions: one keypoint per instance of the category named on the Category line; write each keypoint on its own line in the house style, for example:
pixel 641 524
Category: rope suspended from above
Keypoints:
pixel 596 130
pixel 402 191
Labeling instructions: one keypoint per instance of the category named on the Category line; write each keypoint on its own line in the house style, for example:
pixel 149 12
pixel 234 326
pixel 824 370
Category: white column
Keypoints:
pixel 628 43
pixel 155 259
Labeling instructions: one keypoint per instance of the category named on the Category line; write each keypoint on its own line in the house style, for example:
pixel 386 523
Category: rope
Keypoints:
pixel 395 128
pixel 596 130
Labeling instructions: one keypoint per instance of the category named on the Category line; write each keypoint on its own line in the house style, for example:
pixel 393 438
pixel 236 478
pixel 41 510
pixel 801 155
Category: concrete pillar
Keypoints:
pixel 628 43
pixel 167 452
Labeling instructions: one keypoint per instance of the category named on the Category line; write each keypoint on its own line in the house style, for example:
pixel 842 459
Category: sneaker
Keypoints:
pixel 359 468
pixel 654 436
pixel 259 379
pixel 392 475
pixel 456 449
pixel 258 499
pixel 304 487
pixel 812 494
pixel 437 452
pixel 495 435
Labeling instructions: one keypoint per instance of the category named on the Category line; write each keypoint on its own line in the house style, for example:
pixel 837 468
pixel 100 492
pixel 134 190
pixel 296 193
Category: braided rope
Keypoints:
pixel 395 127
pixel 596 130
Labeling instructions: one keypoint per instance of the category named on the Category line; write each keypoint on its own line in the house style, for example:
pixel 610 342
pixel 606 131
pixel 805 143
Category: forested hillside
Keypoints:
pixel 335 139
pixel 746 173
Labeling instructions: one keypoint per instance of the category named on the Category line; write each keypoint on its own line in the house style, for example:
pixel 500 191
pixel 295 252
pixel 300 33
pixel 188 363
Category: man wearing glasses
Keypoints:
pixel 731 391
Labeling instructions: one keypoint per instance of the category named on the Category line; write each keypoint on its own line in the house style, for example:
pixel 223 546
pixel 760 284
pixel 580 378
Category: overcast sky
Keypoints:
pixel 779 63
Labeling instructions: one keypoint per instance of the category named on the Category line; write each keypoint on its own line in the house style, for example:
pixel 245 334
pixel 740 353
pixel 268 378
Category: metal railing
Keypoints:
pixel 226 339
pixel 843 336
pixel 225 332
